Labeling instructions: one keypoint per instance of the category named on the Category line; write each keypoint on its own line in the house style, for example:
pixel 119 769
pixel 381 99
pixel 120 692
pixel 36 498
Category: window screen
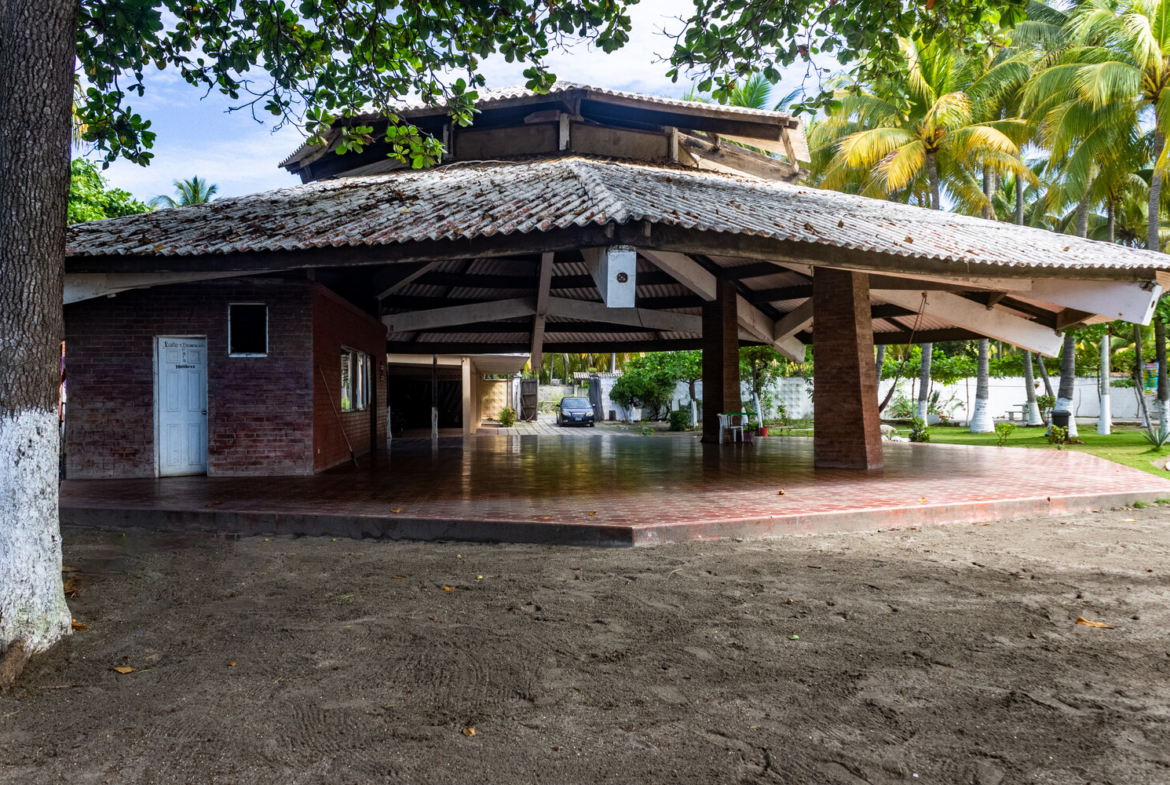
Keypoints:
pixel 247 330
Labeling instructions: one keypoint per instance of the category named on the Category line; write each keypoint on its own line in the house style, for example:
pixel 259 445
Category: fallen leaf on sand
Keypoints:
pixel 396 509
pixel 78 626
pixel 213 504
pixel 593 513
pixel 812 566
pixel 1129 520
pixel 399 575
pixel 546 517
pixel 793 637
pixel 469 731
pixel 1086 623
pixel 922 500
pixel 448 588
pixel 433 618
pixel 124 669
pixel 231 663
pixel 781 493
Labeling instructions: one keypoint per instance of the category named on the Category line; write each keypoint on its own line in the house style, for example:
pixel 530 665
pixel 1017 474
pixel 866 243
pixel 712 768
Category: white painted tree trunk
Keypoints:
pixel 759 411
pixel 1066 405
pixel 981 419
pixel 1105 419
pixel 32 599
pixel 694 414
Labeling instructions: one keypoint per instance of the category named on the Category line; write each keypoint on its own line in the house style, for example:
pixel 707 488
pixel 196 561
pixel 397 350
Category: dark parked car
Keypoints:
pixel 575 411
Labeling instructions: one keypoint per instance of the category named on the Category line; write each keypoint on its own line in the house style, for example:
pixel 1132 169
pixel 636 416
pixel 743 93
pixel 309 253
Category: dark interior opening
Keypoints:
pixel 248 329
pixel 411 399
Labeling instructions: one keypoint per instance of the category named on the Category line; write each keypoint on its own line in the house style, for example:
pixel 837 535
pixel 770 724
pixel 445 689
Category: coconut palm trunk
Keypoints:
pixel 1138 383
pixel 923 409
pixel 1068 381
pixel 1030 389
pixel 1163 379
pixel 1105 418
pixel 880 361
pixel 1155 204
pixel 1044 375
pixel 981 419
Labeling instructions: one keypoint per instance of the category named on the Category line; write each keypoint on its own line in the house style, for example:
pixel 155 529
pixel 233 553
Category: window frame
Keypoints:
pixel 229 339
pixel 358 392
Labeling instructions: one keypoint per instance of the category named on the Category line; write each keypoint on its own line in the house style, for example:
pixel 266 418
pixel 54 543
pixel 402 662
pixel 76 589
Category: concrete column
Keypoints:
pixel 846 425
pixel 720 359
pixel 468 394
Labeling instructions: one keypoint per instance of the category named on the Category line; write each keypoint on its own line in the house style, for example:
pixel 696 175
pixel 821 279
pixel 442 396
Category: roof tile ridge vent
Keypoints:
pixel 608 207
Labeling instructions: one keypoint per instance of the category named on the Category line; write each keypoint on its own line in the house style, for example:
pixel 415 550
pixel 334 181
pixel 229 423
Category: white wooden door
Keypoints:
pixel 181 404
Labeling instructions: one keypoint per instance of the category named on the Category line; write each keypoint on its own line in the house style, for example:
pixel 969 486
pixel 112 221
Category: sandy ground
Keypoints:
pixel 944 655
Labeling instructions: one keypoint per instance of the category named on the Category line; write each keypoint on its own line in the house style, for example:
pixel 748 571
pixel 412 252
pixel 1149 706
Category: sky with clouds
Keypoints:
pixel 198 136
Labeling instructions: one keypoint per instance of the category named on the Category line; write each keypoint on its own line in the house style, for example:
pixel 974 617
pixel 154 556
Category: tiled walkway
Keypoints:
pixel 619 491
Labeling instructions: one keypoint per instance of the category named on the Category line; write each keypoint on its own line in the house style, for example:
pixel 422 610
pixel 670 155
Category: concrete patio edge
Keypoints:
pixel 613 535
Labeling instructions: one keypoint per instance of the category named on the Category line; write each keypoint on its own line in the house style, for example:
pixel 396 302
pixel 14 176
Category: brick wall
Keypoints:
pixel 720 359
pixel 846 431
pixel 259 408
pixel 337 323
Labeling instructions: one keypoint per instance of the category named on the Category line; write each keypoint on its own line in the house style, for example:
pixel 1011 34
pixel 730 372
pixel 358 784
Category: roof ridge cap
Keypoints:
pixel 598 191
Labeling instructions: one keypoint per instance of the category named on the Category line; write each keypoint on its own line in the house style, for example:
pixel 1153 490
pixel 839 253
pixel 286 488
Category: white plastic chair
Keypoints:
pixel 727 422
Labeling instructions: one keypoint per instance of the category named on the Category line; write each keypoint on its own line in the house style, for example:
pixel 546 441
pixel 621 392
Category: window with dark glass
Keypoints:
pixel 247 330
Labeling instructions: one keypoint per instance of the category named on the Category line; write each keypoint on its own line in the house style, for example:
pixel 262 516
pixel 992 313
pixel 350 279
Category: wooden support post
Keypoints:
pixel 846 429
pixel 434 402
pixel 720 359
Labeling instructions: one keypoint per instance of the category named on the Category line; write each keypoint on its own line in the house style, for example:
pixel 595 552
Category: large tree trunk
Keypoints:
pixel 923 409
pixel 36 90
pixel 880 361
pixel 1068 380
pixel 1033 415
pixel 1155 204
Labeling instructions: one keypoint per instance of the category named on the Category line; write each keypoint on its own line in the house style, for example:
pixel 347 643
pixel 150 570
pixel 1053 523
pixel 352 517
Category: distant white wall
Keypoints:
pixel 1003 394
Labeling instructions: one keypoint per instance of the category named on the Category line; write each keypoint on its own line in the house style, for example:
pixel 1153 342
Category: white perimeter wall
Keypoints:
pixel 1004 394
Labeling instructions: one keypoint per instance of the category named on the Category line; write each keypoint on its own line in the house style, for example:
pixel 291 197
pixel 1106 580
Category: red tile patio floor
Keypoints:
pixel 615 490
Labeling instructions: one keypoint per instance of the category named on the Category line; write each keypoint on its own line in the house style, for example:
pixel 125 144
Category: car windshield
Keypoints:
pixel 575 403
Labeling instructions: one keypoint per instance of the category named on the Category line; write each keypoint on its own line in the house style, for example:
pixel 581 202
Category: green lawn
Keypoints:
pixel 1128 447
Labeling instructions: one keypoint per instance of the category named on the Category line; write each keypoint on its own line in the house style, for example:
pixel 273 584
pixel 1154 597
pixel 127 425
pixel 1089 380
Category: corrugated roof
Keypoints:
pixel 491 98
pixel 504 198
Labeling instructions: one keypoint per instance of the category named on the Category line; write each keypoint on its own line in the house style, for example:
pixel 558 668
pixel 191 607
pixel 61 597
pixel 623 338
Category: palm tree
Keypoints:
pixel 922 411
pixel 1030 387
pixel 1068 380
pixel 934 143
pixel 981 420
pixel 187 192
pixel 1109 83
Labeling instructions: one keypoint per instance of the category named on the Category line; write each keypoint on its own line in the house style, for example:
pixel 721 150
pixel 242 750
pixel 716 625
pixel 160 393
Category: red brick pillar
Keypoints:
pixel 846 426
pixel 720 359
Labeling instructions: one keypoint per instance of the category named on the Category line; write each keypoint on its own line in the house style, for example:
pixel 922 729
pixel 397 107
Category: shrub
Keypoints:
pixel 680 420
pixel 918 431
pixel 1045 403
pixel 507 417
pixel 1003 430
pixel 1058 437
pixel 1140 505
